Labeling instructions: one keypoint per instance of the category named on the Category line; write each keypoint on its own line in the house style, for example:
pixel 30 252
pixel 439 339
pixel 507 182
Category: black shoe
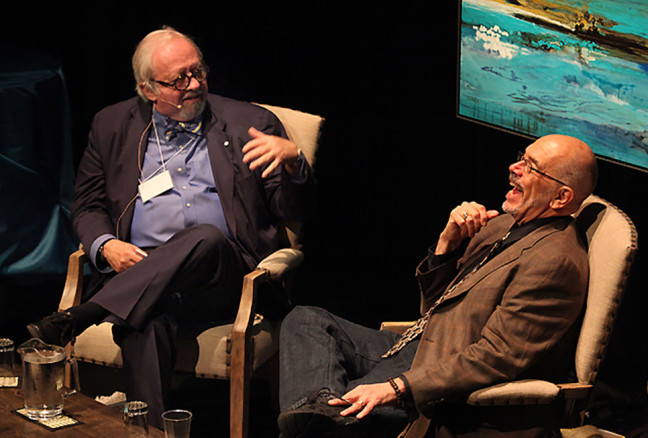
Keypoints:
pixel 56 329
pixel 316 418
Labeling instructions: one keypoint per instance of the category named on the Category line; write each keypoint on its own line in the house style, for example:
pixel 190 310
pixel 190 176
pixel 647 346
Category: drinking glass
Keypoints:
pixel 177 423
pixel 135 419
pixel 8 376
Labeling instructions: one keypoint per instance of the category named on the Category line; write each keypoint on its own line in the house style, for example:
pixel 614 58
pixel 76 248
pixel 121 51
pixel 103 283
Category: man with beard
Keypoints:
pixel 179 194
pixel 501 299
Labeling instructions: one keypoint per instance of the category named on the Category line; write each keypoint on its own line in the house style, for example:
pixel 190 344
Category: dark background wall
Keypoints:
pixel 394 158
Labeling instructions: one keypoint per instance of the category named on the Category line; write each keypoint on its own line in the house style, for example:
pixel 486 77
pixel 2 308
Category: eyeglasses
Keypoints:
pixel 181 83
pixel 529 168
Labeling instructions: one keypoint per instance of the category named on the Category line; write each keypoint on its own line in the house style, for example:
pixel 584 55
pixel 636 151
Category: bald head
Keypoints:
pixel 553 178
pixel 571 161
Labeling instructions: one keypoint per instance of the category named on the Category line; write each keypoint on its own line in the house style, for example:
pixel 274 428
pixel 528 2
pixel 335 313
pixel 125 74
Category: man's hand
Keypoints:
pixel 465 221
pixel 364 398
pixel 264 149
pixel 122 255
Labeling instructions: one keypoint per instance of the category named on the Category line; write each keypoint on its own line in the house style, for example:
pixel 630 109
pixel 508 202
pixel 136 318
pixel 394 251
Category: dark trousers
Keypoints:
pixel 194 278
pixel 321 350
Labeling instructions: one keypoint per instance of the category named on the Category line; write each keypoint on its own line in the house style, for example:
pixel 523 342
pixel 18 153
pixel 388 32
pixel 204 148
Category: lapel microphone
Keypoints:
pixel 177 105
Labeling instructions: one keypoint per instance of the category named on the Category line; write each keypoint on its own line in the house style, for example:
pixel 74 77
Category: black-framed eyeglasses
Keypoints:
pixel 529 168
pixel 181 83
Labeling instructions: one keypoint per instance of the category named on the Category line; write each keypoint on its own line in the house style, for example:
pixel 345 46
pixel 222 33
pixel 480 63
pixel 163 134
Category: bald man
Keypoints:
pixel 501 299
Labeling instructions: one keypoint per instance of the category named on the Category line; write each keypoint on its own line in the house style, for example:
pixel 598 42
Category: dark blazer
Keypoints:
pixel 516 317
pixel 107 178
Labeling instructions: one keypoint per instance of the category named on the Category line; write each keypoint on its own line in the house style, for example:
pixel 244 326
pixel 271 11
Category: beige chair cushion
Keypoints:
pixel 96 345
pixel 521 391
pixel 302 128
pixel 204 356
pixel 281 261
pixel 612 243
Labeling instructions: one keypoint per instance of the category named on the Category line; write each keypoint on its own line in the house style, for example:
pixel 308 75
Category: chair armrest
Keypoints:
pixel 245 315
pixel 73 281
pixel 273 267
pixel 516 393
pixel 281 261
pixel 397 326
pixel 575 391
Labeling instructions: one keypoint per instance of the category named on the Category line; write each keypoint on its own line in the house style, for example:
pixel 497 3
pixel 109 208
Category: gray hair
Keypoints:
pixel 143 57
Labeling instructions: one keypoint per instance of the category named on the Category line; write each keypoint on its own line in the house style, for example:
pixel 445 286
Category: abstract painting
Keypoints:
pixel 576 67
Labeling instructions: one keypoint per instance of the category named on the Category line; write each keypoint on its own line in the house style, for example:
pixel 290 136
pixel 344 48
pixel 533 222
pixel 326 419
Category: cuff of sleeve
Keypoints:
pixel 302 175
pixel 94 253
pixel 434 260
pixel 407 401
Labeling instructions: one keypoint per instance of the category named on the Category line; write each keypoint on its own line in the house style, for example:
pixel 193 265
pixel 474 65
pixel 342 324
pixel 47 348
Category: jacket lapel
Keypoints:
pixel 135 143
pixel 504 258
pixel 220 147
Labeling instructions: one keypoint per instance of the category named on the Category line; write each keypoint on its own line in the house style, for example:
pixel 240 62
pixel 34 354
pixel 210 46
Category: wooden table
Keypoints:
pixel 98 420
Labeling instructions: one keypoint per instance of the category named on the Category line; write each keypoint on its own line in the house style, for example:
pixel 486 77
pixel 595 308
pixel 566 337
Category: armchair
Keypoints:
pixel 612 243
pixel 232 351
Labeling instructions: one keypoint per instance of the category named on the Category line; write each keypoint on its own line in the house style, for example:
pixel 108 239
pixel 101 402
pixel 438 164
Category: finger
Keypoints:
pixel 339 401
pixel 255 133
pixel 478 212
pixel 470 225
pixel 270 168
pixel 470 209
pixel 254 145
pixel 458 216
pixel 357 406
pixel 260 161
pixel 466 220
pixel 365 411
pixel 254 154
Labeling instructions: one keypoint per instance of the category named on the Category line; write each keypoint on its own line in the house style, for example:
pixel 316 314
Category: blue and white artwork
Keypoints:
pixel 573 67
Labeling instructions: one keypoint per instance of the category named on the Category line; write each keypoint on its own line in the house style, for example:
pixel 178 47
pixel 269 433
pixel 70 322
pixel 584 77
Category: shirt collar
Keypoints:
pixel 167 127
pixel 519 231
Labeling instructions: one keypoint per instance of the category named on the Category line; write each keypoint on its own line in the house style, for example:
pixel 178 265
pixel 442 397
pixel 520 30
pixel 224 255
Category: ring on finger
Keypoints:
pixel 465 215
pixel 361 402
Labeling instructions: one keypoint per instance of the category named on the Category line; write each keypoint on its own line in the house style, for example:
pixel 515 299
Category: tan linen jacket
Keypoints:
pixel 516 317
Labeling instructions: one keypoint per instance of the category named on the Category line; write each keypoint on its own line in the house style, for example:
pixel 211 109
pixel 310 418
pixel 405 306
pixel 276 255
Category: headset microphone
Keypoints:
pixel 177 105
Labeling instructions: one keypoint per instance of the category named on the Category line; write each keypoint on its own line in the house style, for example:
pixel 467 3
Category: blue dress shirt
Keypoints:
pixel 193 200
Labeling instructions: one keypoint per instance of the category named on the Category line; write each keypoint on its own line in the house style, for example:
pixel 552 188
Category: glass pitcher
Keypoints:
pixel 43 377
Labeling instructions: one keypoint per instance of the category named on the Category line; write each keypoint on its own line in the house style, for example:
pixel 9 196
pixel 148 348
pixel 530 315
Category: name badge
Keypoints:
pixel 155 186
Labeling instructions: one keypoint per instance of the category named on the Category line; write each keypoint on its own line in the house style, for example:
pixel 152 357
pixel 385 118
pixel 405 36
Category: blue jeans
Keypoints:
pixel 321 350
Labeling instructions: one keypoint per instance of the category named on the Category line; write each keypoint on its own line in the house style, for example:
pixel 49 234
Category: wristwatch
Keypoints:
pixel 101 260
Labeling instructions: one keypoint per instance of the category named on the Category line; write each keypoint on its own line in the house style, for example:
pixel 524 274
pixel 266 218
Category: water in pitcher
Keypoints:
pixel 43 383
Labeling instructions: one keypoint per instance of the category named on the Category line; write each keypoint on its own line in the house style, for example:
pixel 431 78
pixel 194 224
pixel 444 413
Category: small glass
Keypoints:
pixel 177 423
pixel 8 377
pixel 135 419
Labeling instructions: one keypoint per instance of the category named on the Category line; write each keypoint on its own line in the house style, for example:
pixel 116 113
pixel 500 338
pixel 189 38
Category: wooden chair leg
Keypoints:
pixel 239 405
pixel 242 356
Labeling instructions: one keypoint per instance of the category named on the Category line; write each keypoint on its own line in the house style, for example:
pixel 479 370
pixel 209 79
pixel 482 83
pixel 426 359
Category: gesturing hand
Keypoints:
pixel 272 150
pixel 465 221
